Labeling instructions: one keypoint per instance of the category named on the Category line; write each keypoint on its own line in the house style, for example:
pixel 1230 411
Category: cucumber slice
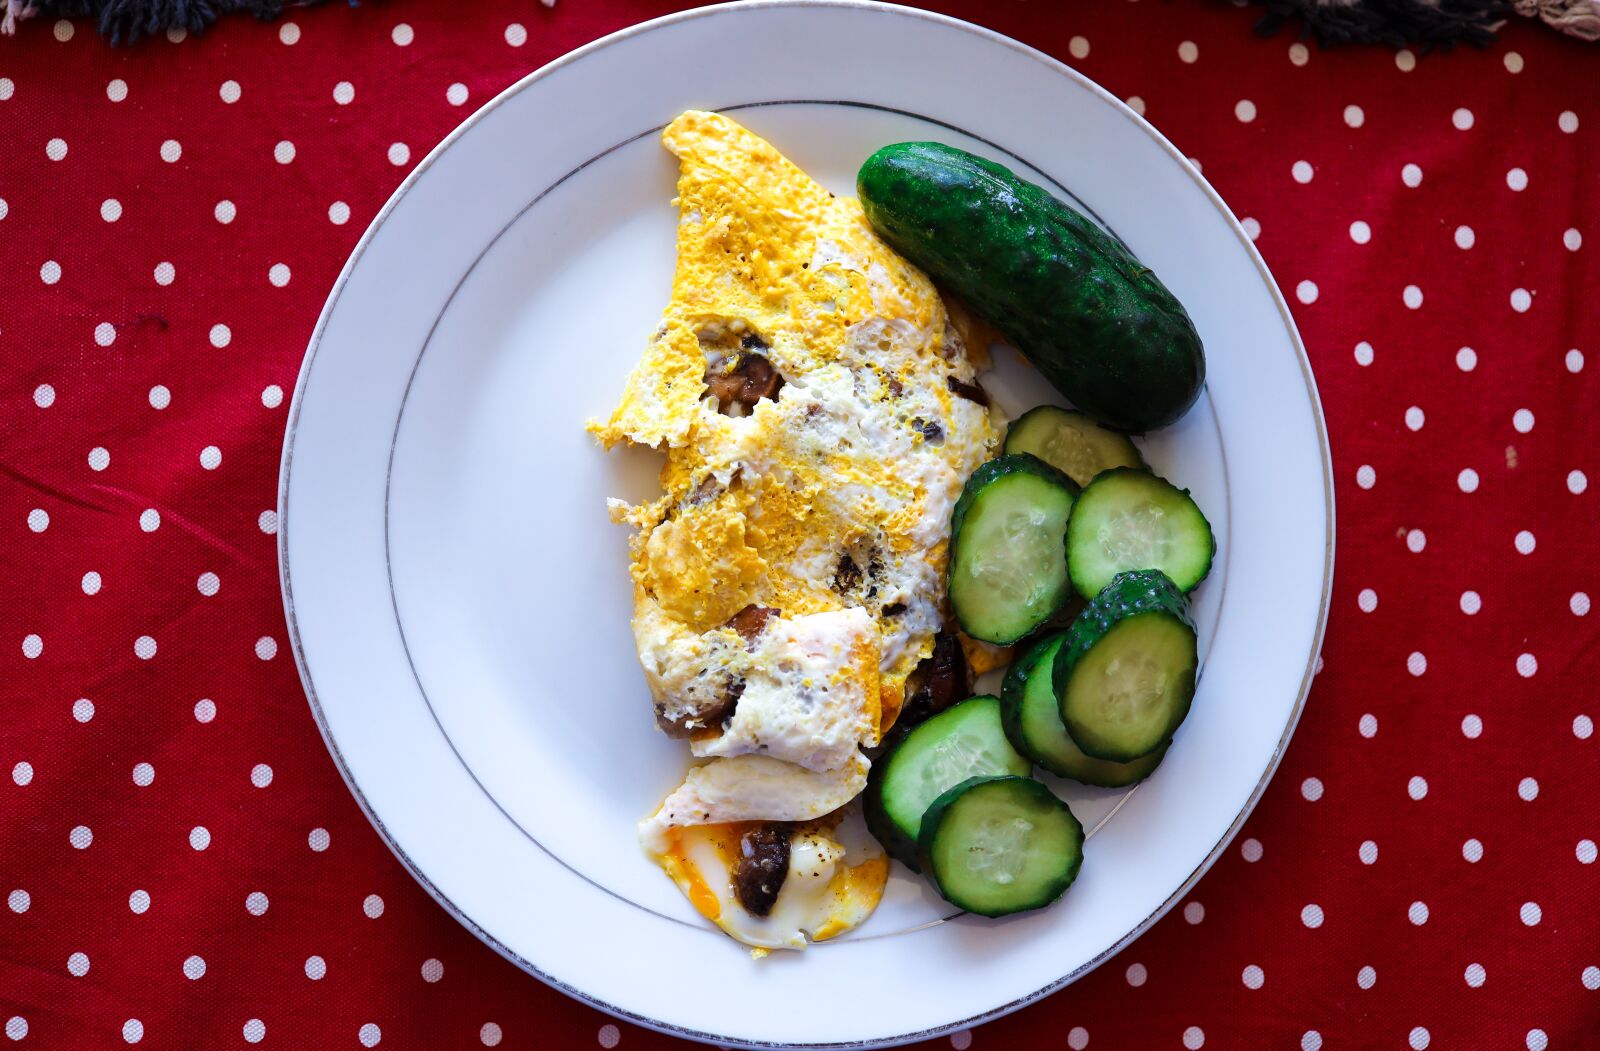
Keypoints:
pixel 1127 519
pixel 960 742
pixel 1008 563
pixel 1031 714
pixel 998 845
pixel 1071 443
pixel 1125 673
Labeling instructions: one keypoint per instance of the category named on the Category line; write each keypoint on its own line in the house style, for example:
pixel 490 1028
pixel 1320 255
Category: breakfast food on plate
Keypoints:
pixel 819 412
pixel 829 512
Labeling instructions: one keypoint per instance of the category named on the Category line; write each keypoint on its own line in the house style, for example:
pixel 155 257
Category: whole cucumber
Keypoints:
pixel 1097 322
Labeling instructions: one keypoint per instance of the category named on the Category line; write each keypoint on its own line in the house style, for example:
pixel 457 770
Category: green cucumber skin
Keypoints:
pixel 935 817
pixel 995 469
pixel 1129 594
pixel 1098 323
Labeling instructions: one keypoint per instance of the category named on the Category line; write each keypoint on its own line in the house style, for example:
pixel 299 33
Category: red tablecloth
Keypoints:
pixel 183 867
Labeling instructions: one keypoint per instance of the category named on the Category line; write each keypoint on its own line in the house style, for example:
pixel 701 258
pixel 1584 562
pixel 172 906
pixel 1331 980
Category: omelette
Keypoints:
pixel 819 412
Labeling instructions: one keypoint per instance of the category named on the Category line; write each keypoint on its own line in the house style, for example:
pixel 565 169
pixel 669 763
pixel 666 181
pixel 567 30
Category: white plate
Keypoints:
pixel 459 601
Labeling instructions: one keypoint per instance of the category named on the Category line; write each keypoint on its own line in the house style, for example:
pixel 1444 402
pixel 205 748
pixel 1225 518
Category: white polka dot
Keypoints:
pixel 1368 725
pixel 1194 1038
pixel 139 902
pixel 261 775
pixel 1419 1039
pixel 1367 852
pixel 344 93
pixel 32 646
pixel 289 33
pixel 1527 665
pixel 516 34
pixel 369 1035
pixel 208 584
pixel 19 901
pixel 338 213
pixel 1517 179
pixel 105 333
pixel 50 272
pixel 1252 228
pixel 1470 602
pixel 1354 116
pixel 1136 974
pixel 1521 300
pixel 1367 600
pixel 99 458
pixel 1136 104
pixel 1572 239
pixel 177 34
pixel 1412 296
pixel 1245 110
pixel 432 970
pixel 1471 727
pixel 268 522
pixel 1417 913
pixel 111 209
pixel 1417 787
pixel 1404 60
pixel 456 94
pixel 1299 54
pixel 1251 850
pixel 1414 418
pixel 1366 477
pixel 1579 603
pixel 1364 353
pixel 254 1031
pixel 160 397
pixel 117 90
pixel 1311 916
pixel 1078 47
pixel 149 520
pixel 372 905
pixel 1530 913
pixel 1528 789
pixel 283 152
pixel 44 395
pixel 1306 292
pixel 63 30
pixel 229 91
pixel 1416 664
pixel 199 837
pixel 1360 232
pixel 1194 912
pixel 272 396
pixel 1591 978
pixel 221 336
pixel 38 520
pixel 403 34
pixel 1188 51
pixel 318 840
pixel 1537 1040
pixel 1302 172
pixel 205 710
pixel 316 967
pixel 83 709
pixel 1582 727
pixel 165 273
pixel 210 457
pixel 255 903
pixel 171 150
pixel 22 773
pixel 5 209
pixel 1366 977
pixel 1525 542
pixel 490 1034
pixel 1311 789
pixel 1465 237
pixel 143 775
pixel 1586 851
pixel 132 1031
pixel 1475 975
pixel 1466 359
pixel 1077 1038
pixel 194 968
pixel 1411 175
pixel 91 583
pixel 56 149
pixel 1472 850
pixel 81 836
pixel 78 964
pixel 1467 480
pixel 1462 118
pixel 266 647
pixel 1254 977
pixel 399 153
pixel 225 211
pixel 8 87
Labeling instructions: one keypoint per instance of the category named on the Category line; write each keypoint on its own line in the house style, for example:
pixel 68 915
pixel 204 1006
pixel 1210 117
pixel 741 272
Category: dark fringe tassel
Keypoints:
pixel 1392 23
pixel 125 21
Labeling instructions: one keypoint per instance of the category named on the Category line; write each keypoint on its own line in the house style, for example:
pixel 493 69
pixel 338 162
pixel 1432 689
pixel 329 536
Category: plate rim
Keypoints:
pixel 987 35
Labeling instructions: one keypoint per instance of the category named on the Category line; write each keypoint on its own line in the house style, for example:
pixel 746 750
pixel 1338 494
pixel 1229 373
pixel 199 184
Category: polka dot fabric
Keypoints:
pixel 183 866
